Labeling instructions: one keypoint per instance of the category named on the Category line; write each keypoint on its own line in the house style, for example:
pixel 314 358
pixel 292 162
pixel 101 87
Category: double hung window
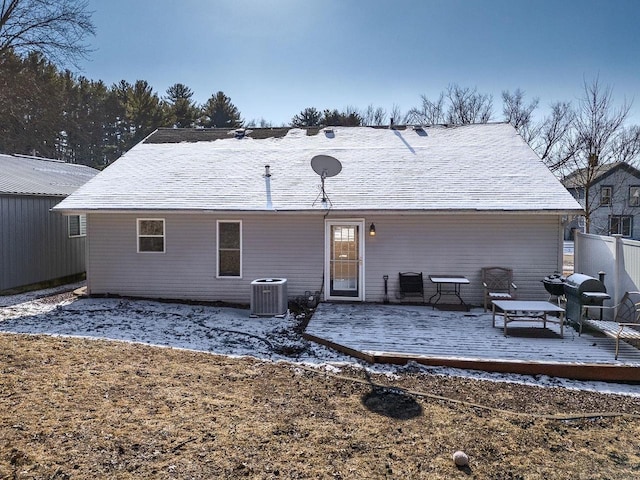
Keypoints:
pixel 606 192
pixel 151 235
pixel 229 248
pixel 634 196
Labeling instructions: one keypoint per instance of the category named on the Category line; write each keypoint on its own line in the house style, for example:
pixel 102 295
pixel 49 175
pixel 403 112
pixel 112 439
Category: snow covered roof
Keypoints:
pixel 41 176
pixel 485 167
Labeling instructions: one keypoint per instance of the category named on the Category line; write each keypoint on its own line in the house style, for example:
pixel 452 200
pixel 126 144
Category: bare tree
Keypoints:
pixel 262 123
pixel 456 106
pixel 598 123
pixel 597 138
pixel 467 106
pixel 372 116
pixel 550 139
pixel 429 113
pixel 518 114
pixel 626 146
pixel 396 114
pixel 55 28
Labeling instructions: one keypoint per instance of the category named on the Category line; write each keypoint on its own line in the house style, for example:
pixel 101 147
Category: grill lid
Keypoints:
pixel 578 283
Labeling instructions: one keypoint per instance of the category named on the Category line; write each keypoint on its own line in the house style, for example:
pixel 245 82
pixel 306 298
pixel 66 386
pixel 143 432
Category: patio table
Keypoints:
pixel 453 282
pixel 523 310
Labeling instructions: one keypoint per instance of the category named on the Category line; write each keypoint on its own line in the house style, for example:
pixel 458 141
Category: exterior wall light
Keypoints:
pixel 372 230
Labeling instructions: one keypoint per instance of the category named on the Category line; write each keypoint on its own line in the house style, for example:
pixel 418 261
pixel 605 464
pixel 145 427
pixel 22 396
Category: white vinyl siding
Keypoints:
pixel 271 247
pixel 291 246
pixel 77 225
pixel 461 245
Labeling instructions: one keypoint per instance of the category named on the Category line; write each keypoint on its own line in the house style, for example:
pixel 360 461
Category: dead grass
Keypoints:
pixel 81 409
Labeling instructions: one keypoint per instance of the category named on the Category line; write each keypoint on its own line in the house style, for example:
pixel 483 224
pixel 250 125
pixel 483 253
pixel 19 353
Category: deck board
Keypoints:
pixel 419 332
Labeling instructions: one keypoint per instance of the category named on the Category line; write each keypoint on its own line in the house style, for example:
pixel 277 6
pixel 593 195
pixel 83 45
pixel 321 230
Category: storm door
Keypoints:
pixel 344 260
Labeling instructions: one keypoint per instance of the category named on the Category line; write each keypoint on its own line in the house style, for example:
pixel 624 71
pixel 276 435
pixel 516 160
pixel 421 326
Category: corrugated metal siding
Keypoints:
pixel 34 243
pixel 292 247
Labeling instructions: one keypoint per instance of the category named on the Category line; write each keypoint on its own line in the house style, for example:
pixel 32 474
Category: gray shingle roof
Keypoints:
pixel 580 177
pixel 21 175
pixel 484 167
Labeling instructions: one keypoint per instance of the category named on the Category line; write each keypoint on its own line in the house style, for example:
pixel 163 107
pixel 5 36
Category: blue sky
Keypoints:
pixel 274 58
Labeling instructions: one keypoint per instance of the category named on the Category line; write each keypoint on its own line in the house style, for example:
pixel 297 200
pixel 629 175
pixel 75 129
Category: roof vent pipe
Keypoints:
pixel 391 122
pixel 267 184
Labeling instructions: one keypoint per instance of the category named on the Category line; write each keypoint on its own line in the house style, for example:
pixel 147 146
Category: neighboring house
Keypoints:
pixel 37 245
pixel 197 214
pixel 614 199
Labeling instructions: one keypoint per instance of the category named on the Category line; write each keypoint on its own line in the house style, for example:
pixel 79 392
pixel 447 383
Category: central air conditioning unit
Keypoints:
pixel 269 297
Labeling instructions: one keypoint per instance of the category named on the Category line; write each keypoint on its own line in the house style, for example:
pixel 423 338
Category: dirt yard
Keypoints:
pixel 78 409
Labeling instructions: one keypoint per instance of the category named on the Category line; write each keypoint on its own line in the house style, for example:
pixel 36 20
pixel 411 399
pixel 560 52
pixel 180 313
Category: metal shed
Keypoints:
pixel 36 244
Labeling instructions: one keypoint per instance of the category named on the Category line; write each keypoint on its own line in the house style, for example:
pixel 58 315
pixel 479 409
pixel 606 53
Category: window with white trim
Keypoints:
pixel 606 192
pixel 229 240
pixel 620 225
pixel 77 225
pixel 151 235
pixel 634 196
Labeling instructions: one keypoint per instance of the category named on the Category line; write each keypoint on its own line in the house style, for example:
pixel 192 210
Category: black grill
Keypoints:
pixel 582 290
pixel 554 284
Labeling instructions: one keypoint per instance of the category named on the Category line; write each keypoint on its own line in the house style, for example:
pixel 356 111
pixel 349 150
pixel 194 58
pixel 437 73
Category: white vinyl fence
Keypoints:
pixel 617 257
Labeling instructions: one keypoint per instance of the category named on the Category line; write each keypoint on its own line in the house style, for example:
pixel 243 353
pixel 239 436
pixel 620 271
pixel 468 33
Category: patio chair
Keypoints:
pixel 410 284
pixel 498 284
pixel 624 326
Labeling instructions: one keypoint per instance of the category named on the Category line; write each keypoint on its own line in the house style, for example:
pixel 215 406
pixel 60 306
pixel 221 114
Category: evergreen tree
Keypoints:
pixel 335 118
pixel 134 112
pixel 144 111
pixel 182 110
pixel 30 105
pixel 82 136
pixel 219 112
pixel 309 117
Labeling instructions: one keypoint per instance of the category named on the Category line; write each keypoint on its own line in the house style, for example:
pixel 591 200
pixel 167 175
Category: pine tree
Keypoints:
pixel 30 105
pixel 219 112
pixel 182 110
pixel 309 117
pixel 335 118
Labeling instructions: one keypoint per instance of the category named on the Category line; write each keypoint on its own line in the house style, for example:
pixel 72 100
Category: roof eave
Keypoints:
pixel 162 211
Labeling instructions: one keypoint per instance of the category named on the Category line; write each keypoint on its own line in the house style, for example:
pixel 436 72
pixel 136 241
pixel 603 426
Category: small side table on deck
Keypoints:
pixel 452 285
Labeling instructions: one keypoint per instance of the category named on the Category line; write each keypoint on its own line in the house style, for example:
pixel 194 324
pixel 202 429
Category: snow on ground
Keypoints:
pixel 218 330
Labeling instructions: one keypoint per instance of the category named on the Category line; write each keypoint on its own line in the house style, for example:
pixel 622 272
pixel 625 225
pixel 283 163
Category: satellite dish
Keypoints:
pixel 326 166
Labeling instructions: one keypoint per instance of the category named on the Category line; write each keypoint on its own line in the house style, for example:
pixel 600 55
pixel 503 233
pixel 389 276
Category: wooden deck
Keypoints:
pixel 402 333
